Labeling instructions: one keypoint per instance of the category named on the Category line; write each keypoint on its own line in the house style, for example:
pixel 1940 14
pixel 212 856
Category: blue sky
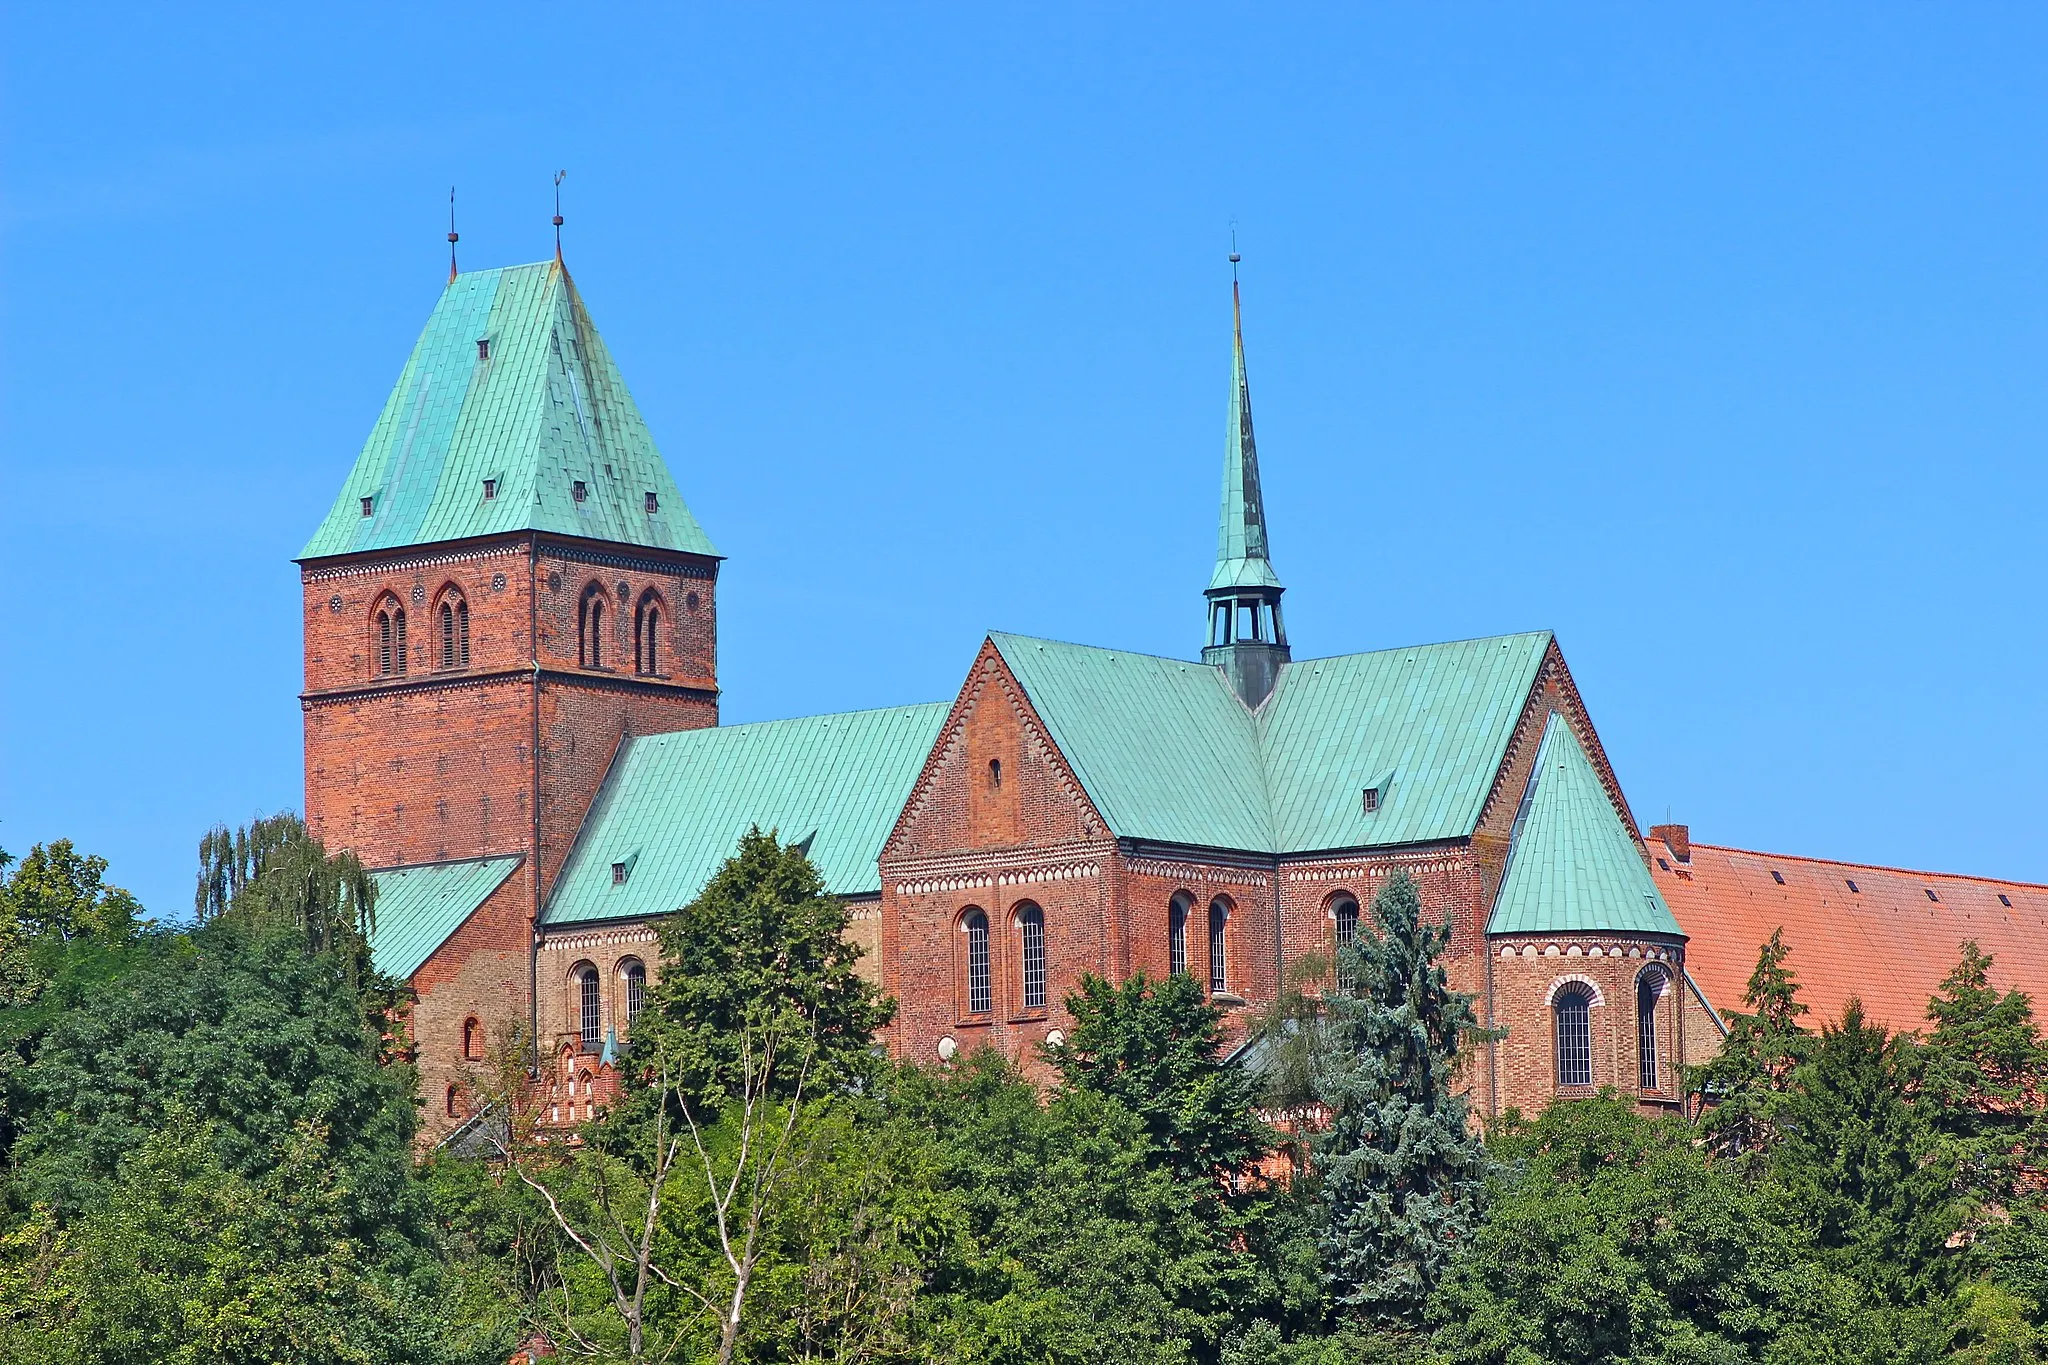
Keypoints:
pixel 1712 339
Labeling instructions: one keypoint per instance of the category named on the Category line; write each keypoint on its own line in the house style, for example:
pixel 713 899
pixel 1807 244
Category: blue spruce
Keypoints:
pixel 1401 1172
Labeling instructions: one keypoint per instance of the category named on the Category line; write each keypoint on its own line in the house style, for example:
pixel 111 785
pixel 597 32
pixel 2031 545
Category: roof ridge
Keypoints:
pixel 1870 867
pixel 788 720
pixel 1102 649
pixel 1433 644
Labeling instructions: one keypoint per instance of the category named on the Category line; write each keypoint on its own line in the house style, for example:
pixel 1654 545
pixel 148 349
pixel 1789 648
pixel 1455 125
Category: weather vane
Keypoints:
pixel 1234 257
pixel 559 177
pixel 453 236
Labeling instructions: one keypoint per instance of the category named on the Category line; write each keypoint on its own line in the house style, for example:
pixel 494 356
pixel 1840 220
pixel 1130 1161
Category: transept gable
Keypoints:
pixel 995 777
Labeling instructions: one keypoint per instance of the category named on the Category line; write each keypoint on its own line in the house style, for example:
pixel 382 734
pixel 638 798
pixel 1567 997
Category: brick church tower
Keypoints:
pixel 508 584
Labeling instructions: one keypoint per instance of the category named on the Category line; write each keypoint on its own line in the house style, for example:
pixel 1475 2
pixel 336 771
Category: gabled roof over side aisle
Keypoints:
pixel 675 805
pixel 1884 934
pixel 1168 753
pixel 1572 863
pixel 509 382
pixel 419 907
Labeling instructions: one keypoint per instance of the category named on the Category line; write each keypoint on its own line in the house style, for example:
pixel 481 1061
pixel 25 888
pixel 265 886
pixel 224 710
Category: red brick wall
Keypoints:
pixel 439 764
pixel 968 837
pixel 1527 969
pixel 479 973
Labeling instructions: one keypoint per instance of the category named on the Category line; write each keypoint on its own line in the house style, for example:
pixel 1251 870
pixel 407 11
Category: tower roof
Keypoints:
pixel 1241 560
pixel 509 385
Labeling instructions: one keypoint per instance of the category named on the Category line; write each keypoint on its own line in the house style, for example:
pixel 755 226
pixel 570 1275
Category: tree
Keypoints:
pixel 57 893
pixel 222 1168
pixel 761 954
pixel 253 1037
pixel 1851 1155
pixel 1981 1081
pixel 1157 1047
pixel 186 1261
pixel 1609 1236
pixel 757 1021
pixel 1746 1082
pixel 64 932
pixel 1401 1172
pixel 273 872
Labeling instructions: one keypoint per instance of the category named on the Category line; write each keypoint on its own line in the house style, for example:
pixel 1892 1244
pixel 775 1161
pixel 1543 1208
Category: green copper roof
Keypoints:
pixel 1163 748
pixel 1168 753
pixel 419 907
pixel 539 410
pixel 674 806
pixel 1428 726
pixel 1241 560
pixel 1573 865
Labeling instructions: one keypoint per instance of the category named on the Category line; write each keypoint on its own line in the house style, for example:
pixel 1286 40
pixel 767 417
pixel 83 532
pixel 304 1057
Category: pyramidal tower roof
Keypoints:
pixel 511 392
pixel 1241 560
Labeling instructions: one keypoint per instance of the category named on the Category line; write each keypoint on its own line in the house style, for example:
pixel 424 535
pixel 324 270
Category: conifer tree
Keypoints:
pixel 1402 1173
pixel 1747 1081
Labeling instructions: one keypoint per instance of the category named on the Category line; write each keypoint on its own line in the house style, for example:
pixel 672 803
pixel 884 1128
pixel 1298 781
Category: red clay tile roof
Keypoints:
pixel 1889 941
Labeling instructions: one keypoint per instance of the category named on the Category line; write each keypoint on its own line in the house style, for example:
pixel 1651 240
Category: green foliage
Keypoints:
pixel 185 1260
pixel 1612 1238
pixel 1157 1048
pixel 1851 1156
pixel 1400 1170
pixel 1746 1082
pixel 1979 1080
pixel 760 960
pixel 272 872
pixel 56 893
pixel 251 1036
pixel 63 933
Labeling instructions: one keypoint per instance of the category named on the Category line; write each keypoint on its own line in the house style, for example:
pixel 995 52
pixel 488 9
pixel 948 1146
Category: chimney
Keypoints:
pixel 1677 838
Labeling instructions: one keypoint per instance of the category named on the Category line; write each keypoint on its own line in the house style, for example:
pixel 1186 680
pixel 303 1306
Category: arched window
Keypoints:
pixel 1031 939
pixel 590 1021
pixel 454 632
pixel 1219 915
pixel 974 929
pixel 1177 935
pixel 454 1103
pixel 586 1097
pixel 590 628
pixel 647 635
pixel 1574 1010
pixel 1649 990
pixel 636 989
pixel 390 625
pixel 472 1041
pixel 1345 933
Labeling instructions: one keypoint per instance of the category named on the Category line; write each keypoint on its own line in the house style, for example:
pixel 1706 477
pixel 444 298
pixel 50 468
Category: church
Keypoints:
pixel 511 713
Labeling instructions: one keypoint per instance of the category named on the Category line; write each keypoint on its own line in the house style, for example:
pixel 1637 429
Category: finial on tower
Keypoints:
pixel 453 236
pixel 559 177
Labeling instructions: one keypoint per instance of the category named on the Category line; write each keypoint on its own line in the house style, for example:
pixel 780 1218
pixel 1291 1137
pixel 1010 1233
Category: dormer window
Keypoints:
pixel 618 874
pixel 579 490
pixel 1372 799
pixel 490 489
pixel 368 503
pixel 483 348
pixel 653 504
